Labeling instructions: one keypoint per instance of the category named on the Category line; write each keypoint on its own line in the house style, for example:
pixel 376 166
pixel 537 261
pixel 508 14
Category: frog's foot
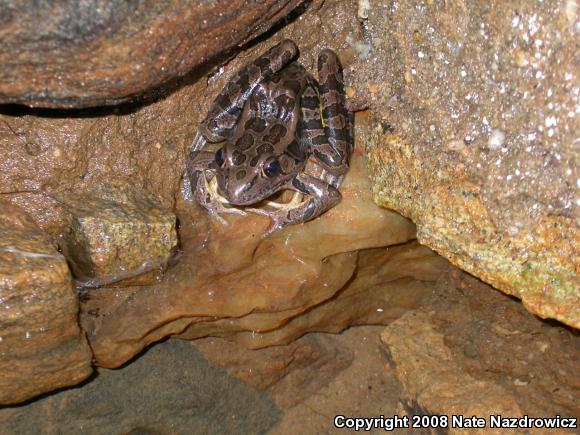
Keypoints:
pixel 218 202
pixel 279 216
pixel 323 196
pixel 278 219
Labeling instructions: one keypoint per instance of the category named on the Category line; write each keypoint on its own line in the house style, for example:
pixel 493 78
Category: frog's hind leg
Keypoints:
pixel 226 109
pixel 335 148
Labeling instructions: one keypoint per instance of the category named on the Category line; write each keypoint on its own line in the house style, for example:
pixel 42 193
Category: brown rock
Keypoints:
pixel 102 53
pixel 44 157
pixel 291 373
pixel 229 282
pixel 41 345
pixel 475 139
pixel 469 351
pixel 142 398
pixel 117 235
pixel 386 283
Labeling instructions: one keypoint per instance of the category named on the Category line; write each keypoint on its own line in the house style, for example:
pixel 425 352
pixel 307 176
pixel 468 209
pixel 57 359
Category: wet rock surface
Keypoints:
pixel 266 292
pixel 476 115
pixel 468 351
pixel 141 397
pixel 462 348
pixel 100 53
pixel 41 345
pixel 290 373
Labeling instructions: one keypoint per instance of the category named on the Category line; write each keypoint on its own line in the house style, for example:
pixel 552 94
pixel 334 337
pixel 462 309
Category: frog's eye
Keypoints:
pixel 219 157
pixel 271 168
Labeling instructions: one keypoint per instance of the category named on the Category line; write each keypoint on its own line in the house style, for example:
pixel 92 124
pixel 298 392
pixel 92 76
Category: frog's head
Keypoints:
pixel 247 176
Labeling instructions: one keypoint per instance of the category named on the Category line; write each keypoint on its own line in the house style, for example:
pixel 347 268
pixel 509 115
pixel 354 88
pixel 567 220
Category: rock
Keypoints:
pixel 474 139
pixel 103 53
pixel 43 157
pixel 386 283
pixel 290 373
pixel 228 282
pixel 170 389
pixel 41 345
pixel 469 351
pixel 119 235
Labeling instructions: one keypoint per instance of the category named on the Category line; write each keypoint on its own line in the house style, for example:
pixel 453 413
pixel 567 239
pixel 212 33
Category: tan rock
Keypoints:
pixel 117 234
pixel 480 149
pixel 41 345
pixel 386 283
pixel 470 352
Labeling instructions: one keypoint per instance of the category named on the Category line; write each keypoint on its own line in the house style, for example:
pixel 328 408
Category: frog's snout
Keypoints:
pixel 235 194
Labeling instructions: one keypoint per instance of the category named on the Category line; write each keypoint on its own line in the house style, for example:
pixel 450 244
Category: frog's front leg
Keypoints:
pixel 323 196
pixel 205 193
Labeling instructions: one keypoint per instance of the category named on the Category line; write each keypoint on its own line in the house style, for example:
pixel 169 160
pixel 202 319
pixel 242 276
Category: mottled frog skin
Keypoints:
pixel 272 117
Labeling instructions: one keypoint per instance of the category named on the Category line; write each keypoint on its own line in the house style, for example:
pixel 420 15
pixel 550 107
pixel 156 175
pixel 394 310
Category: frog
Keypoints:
pixel 271 118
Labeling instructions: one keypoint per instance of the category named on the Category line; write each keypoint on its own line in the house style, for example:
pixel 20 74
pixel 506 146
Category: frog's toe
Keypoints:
pixel 275 226
pixel 278 220
pixel 221 220
pixel 213 212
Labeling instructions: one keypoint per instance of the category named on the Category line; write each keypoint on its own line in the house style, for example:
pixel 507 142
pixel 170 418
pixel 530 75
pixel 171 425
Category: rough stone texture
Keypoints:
pixel 476 108
pixel 473 119
pixel 41 345
pixel 118 234
pixel 266 292
pixel 469 351
pixel 227 272
pixel 92 53
pixel 171 389
pixel 45 156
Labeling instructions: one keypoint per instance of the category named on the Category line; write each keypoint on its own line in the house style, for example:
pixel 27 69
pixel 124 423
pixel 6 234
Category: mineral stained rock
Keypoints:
pixel 117 234
pixel 468 352
pixel 230 283
pixel 41 345
pixel 74 55
pixel 476 108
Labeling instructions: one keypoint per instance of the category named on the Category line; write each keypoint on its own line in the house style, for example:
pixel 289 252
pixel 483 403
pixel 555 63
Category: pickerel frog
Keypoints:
pixel 273 116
